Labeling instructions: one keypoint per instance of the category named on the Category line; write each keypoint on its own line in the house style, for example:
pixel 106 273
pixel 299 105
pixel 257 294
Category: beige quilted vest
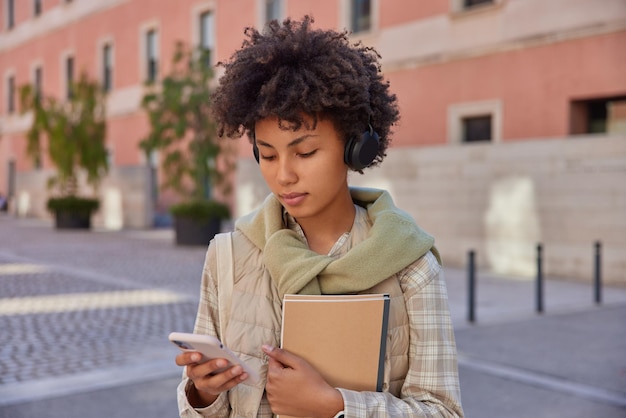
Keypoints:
pixel 254 318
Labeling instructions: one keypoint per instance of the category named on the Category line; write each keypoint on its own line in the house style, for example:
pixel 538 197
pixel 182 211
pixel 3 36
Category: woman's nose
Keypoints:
pixel 286 173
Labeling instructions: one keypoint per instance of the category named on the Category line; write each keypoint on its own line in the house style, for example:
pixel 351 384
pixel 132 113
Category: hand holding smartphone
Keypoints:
pixel 210 348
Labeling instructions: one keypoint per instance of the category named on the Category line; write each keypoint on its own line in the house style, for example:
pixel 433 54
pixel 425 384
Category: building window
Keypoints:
pixel 38 83
pixel 600 115
pixel 10 13
pixel 11 94
pixel 463 6
pixel 207 38
pixel 107 68
pixel 471 3
pixel 36 7
pixel 477 128
pixel 152 56
pixel 69 77
pixel 272 10
pixel 361 15
pixel 475 121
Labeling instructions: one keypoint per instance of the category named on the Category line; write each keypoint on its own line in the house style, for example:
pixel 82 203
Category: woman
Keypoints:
pixel 316 107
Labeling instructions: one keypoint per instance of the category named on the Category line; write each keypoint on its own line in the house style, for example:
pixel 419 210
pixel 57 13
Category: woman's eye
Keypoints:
pixel 307 154
pixel 268 157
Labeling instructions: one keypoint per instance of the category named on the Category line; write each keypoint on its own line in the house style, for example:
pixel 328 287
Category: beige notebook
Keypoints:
pixel 342 336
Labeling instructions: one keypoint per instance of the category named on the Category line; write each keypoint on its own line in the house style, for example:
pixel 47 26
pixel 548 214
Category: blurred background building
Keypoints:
pixel 513 128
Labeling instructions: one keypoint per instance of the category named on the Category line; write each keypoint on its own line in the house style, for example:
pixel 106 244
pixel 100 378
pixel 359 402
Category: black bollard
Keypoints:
pixel 471 283
pixel 597 277
pixel 539 284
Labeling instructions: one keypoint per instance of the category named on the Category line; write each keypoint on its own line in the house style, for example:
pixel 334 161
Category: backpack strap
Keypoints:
pixel 225 279
pixel 244 399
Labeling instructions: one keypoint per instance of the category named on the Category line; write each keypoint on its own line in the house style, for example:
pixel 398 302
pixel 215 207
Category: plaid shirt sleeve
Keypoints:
pixel 207 322
pixel 431 387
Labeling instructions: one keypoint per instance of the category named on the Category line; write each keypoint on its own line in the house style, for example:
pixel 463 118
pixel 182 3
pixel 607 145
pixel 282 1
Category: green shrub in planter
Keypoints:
pixel 196 222
pixel 73 204
pixel 197 165
pixel 72 212
pixel 74 134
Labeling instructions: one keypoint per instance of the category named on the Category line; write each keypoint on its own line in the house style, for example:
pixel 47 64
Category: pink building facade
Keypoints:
pixel 499 100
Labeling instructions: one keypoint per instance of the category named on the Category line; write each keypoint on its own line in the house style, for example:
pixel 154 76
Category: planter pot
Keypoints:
pixel 191 231
pixel 72 220
pixel 72 212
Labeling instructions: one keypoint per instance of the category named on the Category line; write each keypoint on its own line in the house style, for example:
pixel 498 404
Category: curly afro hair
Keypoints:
pixel 291 70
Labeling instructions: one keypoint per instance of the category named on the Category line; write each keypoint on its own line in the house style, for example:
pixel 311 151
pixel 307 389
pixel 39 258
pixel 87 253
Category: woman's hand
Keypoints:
pixel 295 388
pixel 209 378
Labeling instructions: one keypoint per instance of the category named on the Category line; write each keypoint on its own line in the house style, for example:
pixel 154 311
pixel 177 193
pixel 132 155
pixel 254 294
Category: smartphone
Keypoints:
pixel 210 348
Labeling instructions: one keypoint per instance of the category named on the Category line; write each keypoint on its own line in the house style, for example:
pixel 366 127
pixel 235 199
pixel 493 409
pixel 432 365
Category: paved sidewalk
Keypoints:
pixel 84 318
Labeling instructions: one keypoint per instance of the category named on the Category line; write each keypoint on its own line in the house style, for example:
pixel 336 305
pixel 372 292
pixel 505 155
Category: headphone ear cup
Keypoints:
pixel 361 152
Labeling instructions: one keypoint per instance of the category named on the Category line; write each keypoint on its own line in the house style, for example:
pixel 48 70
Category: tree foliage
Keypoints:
pixel 75 130
pixel 195 161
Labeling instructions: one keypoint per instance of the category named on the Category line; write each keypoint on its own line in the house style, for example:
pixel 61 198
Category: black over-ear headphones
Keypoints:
pixel 359 152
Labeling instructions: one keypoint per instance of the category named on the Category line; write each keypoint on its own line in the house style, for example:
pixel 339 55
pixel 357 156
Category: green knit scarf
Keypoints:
pixel 393 242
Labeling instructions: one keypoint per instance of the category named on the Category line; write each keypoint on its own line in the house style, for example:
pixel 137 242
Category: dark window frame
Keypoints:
pixel 107 67
pixel 11 94
pixel 361 15
pixel 10 10
pixel 272 10
pixel 473 3
pixel 591 116
pixel 69 76
pixel 152 58
pixel 477 128
pixel 37 8
pixel 206 26
pixel 38 82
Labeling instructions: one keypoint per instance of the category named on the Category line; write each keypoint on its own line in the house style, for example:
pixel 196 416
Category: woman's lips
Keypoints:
pixel 293 199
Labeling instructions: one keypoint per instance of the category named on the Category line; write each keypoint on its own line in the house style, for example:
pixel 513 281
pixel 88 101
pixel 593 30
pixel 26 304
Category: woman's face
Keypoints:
pixel 304 169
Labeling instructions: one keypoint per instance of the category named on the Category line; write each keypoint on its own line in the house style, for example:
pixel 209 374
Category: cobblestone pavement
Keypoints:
pixel 78 304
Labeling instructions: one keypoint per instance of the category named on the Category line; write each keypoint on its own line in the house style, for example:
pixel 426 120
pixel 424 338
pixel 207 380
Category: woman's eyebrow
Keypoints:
pixel 261 143
pixel 295 142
